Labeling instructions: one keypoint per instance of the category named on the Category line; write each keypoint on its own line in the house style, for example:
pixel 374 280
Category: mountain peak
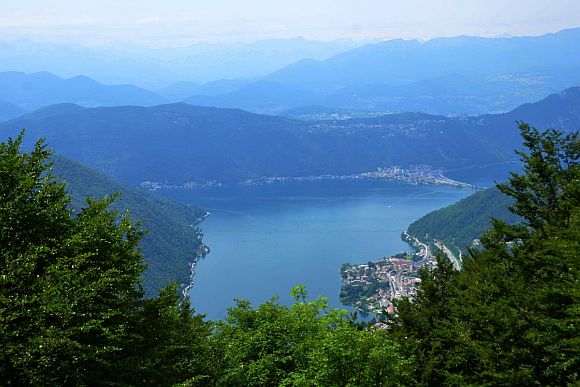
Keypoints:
pixel 571 92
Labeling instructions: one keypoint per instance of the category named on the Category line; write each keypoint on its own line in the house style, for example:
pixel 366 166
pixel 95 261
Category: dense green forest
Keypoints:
pixel 460 223
pixel 72 310
pixel 172 240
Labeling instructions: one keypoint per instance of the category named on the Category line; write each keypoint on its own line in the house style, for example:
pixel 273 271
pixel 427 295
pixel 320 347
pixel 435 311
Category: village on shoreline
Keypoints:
pixel 374 286
pixel 414 174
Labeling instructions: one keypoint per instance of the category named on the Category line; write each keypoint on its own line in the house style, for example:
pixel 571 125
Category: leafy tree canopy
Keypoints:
pixel 305 344
pixel 71 305
pixel 512 316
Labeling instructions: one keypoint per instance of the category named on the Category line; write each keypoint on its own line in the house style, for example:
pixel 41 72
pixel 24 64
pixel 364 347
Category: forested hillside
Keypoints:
pixel 180 143
pixel 459 224
pixel 173 240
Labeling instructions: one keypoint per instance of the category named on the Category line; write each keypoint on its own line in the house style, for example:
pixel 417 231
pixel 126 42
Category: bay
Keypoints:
pixel 265 240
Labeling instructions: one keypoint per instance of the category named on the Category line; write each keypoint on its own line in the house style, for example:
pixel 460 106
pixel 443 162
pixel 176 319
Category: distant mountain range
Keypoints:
pixel 32 91
pixel 180 143
pixel 447 76
pixel 460 75
pixel 154 68
pixel 400 62
pixel 171 243
pixel 260 97
pixel 180 91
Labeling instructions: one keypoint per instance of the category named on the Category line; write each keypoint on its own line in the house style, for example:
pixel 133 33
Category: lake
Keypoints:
pixel 264 240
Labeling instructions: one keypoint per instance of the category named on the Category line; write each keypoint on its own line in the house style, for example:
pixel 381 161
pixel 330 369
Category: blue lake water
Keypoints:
pixel 265 240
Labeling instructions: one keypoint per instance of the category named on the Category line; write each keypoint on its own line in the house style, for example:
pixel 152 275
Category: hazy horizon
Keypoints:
pixel 181 23
pixel 154 45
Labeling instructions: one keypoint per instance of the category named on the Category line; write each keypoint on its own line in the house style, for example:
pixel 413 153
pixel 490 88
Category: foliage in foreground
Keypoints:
pixel 170 244
pixel 305 344
pixel 512 316
pixel 71 305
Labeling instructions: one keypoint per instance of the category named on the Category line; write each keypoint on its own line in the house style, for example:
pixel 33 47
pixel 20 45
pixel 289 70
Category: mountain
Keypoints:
pixel 258 97
pixel 9 111
pixel 559 110
pixel 154 68
pixel 172 241
pixel 206 62
pixel 405 61
pixel 180 143
pixel 449 76
pixel 108 64
pixel 459 224
pixel 32 91
pixel 175 143
pixel 180 91
pixel 450 95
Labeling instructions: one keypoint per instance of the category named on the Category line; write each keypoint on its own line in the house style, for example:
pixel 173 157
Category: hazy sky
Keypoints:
pixel 175 22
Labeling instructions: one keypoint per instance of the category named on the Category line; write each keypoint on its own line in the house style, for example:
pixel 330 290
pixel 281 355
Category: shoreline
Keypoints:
pixel 413 175
pixel 201 253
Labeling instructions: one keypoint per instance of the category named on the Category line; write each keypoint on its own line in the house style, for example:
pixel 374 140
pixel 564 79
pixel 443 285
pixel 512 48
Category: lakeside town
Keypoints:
pixel 374 286
pixel 414 174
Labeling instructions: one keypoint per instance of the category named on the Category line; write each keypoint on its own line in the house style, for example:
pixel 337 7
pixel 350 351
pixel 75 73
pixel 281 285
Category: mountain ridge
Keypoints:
pixel 9 111
pixel 181 143
pixel 35 90
pixel 479 75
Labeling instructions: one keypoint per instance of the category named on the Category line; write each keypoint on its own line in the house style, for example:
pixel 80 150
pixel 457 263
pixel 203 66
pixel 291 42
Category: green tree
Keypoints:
pixel 422 324
pixel 304 344
pixel 512 315
pixel 548 191
pixel 169 345
pixel 71 304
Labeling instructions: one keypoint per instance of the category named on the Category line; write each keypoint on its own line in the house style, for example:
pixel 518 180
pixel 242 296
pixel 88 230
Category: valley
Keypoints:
pixel 327 193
